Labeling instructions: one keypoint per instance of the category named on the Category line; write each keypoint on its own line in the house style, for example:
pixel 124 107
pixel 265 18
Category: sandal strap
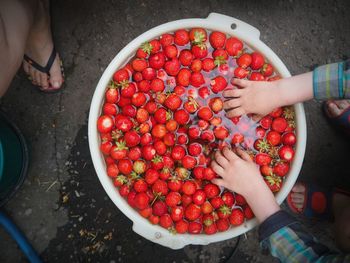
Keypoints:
pixel 37 66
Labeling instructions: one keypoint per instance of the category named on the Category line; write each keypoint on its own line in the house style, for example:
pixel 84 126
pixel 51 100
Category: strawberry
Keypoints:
pixel 139 64
pixel 289 138
pixel 237 138
pixel 123 101
pixel 112 170
pixel 267 70
pixel 159 131
pixel 208 64
pixel 181 227
pixel 119 151
pixel 281 169
pixel 195 149
pixel 171 51
pixel 210 229
pixel 112 94
pixel 159 208
pixel 209 173
pixel 146 212
pixel 240 200
pixel 266 170
pixel 263 159
pixel 191 106
pixel 237 217
pixel 240 72
pixel 173 102
pixel 197 36
pixel 189 162
pixel 106 147
pixel 172 199
pixel 205 113
pixel 276 112
pixel 199 197
pixel 260 132
pixel 256 76
pixel 105 124
pixel 196 65
pixel 186 57
pixel 172 67
pixel 217 39
pixel 203 125
pixel 125 166
pixel 234 46
pixel 286 153
pixel 197 79
pixel 157 163
pixel 216 104
pixel 217 202
pixel 131 198
pixel 157 85
pixel 194 132
pixel 165 173
pixel 166 40
pixel 192 212
pixel 222 224
pixel 199 51
pixel 208 136
pixel 221 132
pixel 204 92
pixel 151 176
pixel 134 153
pixel 216 121
pixel 266 122
pixel 248 213
pixel 183 77
pixel 174 184
pixel 149 73
pixel 120 76
pixel 146 139
pixel 178 152
pixel 257 61
pixel 140 186
pixel 218 84
pixel 139 166
pixel 161 115
pixel 224 212
pixel 182 138
pixel 128 90
pixel 148 152
pixel 124 190
pixel 273 137
pixel 273 182
pixel 211 190
pixel 160 187
pixel 177 213
pixel 188 188
pixel 181 37
pixel 194 227
pixel 132 138
pixel 171 125
pixel 244 60
pixel 198 172
pixel 129 111
pixel 206 208
pixel 142 115
pixel 228 198
pixel 181 116
pixel 154 219
pixel 110 109
pixel 160 147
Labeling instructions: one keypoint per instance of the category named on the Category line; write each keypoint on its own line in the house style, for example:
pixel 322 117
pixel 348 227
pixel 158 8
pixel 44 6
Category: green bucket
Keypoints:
pixel 14 159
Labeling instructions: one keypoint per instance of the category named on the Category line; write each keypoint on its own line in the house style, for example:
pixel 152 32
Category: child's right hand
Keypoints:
pixel 252 97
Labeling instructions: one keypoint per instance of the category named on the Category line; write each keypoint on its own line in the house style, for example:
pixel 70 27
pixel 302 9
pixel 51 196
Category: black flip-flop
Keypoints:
pixel 45 69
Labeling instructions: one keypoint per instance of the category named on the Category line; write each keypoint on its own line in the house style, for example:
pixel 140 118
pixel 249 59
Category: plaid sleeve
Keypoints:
pixel 289 242
pixel 332 81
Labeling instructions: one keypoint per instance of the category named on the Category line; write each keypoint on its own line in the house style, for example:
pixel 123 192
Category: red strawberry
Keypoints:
pixel 199 51
pixel 241 73
pixel 248 213
pixel 128 90
pixel 204 92
pixel 151 176
pixel 266 122
pixel 210 229
pixel 222 224
pixel 208 136
pixel 154 219
pixel 157 60
pixel 159 131
pixel 112 94
pixel 199 197
pixel 173 102
pixel 105 124
pixel 216 202
pixel 129 110
pixel 157 85
pixel 177 213
pixel 178 152
pixel 221 133
pixel 195 149
pixel 209 173
pixel 159 208
pixel 194 228
pixel 181 116
pixel 206 208
pixel 208 64
pixel 181 37
pixel 286 153
pixel 197 36
pixel 266 170
pixel 161 115
pixel 132 138
pixel 173 199
pixel 198 172
pixel 279 124
pixel 240 200
pixel 157 163
pixel 218 84
pixel 140 186
pixel 203 125
pixel 182 139
pixel 224 212
pixel 234 46
pixel 174 184
pixel 244 60
pixel 197 79
pixel 189 187
pixel 148 152
pixel 146 212
pixel 256 76
pixel 166 40
pixel 205 113
pixel 171 51
pixel 139 64
pixel 106 147
pixel 228 198
pixel 160 147
pixel 263 159
pixel 125 166
pixel 237 217
pixel 183 77
pixel 276 112
pixel 189 162
pixel 194 132
pixel 186 57
pixel 217 39
pixel 273 137
pixel 211 190
pixel 192 212
pixel 131 198
pixel 119 151
pixel 121 75
pixel 267 70
pixel 112 170
pixel 216 104
pixel 191 105
pixel 110 109
pixel 139 166
pixel 180 90
pixel 146 139
pixel 257 61
pixel 160 187
pixel 149 73
pixel 289 138
pixel 196 65
pixel 281 169
pixel 237 138
pixel 172 67
pixel 181 227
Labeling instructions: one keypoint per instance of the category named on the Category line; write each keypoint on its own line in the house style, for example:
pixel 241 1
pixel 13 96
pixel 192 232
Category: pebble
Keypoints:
pixel 28 211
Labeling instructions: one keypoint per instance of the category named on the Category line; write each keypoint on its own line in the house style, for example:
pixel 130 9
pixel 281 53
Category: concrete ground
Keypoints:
pixel 62 207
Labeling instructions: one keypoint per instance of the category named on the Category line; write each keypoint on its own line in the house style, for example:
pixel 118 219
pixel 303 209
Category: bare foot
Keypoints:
pixel 39 47
pixel 336 107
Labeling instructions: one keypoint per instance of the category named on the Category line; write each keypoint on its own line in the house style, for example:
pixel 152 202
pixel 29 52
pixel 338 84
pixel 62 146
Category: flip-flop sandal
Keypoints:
pixel 342 122
pixel 45 69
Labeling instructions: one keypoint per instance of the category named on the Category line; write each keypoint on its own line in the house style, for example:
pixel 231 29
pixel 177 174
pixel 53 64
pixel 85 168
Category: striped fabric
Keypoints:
pixel 291 243
pixel 332 81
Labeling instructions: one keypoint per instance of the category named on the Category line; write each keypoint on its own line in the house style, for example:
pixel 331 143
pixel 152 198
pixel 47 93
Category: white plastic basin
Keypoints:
pixel 214 21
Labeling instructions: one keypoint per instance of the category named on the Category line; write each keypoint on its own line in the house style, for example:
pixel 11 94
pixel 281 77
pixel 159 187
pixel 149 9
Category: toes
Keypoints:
pixel 298 188
pixel 333 109
pixel 26 67
pixel 342 104
pixel 56 78
pixel 44 82
pixel 297 196
pixel 37 77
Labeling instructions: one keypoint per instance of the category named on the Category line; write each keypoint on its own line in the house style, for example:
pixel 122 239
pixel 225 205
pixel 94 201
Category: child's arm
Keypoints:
pixel 278 232
pixel 261 97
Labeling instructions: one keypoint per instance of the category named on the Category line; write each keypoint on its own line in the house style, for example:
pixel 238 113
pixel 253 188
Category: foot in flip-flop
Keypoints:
pixel 338 112
pixel 313 201
pixel 41 62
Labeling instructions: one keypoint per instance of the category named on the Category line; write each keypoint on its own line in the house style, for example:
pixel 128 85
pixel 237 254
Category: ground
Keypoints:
pixel 63 209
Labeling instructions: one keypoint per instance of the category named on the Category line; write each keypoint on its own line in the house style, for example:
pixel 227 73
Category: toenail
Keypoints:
pixel 56 84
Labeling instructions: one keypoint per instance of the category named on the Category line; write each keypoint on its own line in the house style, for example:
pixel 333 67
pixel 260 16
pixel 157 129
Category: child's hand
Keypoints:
pixel 256 97
pixel 238 171
pixel 240 174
